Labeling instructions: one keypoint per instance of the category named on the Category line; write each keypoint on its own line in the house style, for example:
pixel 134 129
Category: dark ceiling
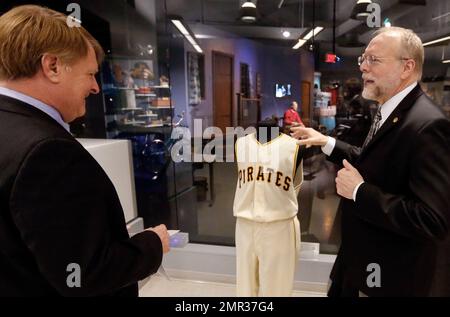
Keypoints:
pixel 220 18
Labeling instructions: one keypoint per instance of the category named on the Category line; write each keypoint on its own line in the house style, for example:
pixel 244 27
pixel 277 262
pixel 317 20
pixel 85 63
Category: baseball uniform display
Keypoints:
pixel 265 204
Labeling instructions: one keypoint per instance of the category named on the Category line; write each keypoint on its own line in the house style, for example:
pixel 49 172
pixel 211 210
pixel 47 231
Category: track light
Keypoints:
pixel 359 11
pixel 310 34
pixel 178 22
pixel 299 44
pixel 442 39
pixel 248 12
pixel 307 37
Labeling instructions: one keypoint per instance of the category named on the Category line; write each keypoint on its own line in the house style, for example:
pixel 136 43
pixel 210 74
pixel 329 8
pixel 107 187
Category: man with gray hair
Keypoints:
pixel 395 202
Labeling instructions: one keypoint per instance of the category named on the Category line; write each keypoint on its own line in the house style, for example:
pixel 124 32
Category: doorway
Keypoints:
pixel 306 102
pixel 222 90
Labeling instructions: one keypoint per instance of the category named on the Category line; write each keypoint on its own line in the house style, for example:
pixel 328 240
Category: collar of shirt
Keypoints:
pixel 52 112
pixel 389 106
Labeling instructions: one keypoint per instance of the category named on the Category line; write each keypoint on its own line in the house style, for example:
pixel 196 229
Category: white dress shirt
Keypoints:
pixel 386 109
pixel 52 112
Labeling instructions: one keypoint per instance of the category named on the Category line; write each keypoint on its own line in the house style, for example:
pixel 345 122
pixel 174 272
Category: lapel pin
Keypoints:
pixel 395 120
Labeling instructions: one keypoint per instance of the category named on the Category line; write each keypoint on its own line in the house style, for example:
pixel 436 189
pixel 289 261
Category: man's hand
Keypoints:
pixel 162 233
pixel 308 136
pixel 347 179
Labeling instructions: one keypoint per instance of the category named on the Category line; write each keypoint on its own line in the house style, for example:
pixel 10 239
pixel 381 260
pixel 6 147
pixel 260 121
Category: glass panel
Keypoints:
pixel 219 74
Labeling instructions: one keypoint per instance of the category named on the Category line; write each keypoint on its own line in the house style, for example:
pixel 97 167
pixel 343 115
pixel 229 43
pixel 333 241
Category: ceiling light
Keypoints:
pixel 286 34
pixel 440 16
pixel 248 12
pixel 299 44
pixel 359 11
pixel 178 22
pixel 248 4
pixel 307 37
pixel 447 61
pixel 198 48
pixel 317 29
pixel 447 38
pixel 180 26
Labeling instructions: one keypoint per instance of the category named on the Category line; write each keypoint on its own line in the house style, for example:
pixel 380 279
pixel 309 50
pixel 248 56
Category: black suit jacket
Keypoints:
pixel 57 207
pixel 401 216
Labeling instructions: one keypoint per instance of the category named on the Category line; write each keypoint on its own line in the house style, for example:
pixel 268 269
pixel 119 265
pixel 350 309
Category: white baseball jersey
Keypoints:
pixel 268 179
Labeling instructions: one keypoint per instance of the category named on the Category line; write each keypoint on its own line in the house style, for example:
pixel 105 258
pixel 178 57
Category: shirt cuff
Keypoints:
pixel 355 191
pixel 329 147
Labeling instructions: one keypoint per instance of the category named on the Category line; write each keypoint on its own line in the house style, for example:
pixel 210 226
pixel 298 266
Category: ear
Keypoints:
pixel 51 67
pixel 408 68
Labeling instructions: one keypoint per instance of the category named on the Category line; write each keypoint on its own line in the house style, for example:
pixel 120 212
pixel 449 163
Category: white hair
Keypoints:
pixel 411 45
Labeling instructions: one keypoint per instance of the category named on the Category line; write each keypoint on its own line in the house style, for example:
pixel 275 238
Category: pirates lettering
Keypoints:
pixel 261 175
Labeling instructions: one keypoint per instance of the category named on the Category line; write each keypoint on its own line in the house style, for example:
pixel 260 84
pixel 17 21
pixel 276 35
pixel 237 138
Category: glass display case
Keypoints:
pixel 139 108
pixel 135 101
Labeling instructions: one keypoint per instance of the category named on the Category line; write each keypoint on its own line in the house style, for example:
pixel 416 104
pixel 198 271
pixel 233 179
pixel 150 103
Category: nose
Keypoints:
pixel 95 89
pixel 363 67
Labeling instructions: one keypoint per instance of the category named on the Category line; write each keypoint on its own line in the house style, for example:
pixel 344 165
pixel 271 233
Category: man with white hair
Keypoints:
pixel 395 205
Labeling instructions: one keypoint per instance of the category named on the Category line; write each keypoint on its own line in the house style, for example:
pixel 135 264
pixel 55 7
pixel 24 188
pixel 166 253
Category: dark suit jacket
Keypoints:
pixel 402 212
pixel 57 206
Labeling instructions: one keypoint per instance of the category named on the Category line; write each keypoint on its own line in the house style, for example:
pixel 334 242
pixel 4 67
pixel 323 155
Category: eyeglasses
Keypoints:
pixel 372 60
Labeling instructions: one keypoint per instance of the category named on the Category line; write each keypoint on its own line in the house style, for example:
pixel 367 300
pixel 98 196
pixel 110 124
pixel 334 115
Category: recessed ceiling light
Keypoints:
pixel 286 34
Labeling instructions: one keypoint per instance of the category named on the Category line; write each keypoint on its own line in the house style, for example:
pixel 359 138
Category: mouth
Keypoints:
pixel 368 82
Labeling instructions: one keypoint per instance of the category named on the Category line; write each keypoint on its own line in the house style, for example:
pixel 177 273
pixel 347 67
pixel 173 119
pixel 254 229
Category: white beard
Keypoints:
pixel 372 93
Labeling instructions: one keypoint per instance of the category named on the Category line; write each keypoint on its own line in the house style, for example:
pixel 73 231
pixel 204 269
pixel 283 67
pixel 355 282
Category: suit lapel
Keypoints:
pixel 395 117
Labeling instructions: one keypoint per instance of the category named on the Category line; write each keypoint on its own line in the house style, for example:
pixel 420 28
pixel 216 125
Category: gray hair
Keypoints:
pixel 411 44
